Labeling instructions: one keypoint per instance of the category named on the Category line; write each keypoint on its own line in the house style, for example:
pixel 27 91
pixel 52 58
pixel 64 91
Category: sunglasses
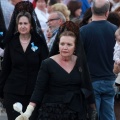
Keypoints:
pixel 52 20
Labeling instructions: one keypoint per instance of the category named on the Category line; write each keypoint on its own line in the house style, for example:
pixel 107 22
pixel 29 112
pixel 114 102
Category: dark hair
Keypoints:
pixel 46 1
pixel 114 18
pixel 26 14
pixel 87 15
pixel 111 5
pixel 73 6
pixel 100 10
pixel 117 9
pixel 52 2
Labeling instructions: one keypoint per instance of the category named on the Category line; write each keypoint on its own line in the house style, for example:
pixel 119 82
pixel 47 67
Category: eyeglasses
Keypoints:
pixel 52 20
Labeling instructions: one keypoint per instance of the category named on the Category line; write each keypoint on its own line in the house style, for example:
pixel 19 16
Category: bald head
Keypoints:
pixel 100 7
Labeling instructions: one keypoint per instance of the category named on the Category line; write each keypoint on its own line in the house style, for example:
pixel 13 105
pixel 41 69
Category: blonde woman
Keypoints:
pixel 63 9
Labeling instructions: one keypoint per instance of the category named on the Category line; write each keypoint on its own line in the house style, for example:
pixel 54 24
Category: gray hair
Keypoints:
pixel 61 16
pixel 100 9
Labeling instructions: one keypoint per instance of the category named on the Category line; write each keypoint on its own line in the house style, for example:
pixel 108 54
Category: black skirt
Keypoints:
pixel 56 111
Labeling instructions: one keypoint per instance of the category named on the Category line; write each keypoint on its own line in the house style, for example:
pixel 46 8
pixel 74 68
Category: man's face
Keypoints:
pixel 53 21
pixel 14 2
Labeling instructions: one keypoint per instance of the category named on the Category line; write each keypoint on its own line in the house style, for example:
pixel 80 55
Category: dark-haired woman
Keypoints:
pixel 87 18
pixel 75 9
pixel 22 59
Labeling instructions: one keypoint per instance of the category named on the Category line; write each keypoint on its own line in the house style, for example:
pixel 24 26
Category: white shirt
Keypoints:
pixel 42 17
pixel 116 56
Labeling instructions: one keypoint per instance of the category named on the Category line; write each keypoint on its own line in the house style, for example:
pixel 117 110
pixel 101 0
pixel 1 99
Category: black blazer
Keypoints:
pixel 20 69
pixel 2 26
pixel 55 85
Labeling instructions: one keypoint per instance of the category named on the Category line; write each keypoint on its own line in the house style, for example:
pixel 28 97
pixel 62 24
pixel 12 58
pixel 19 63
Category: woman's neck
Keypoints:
pixel 66 59
pixel 25 37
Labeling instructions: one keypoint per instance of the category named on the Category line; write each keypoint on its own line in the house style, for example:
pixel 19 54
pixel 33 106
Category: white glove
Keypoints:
pixel 26 114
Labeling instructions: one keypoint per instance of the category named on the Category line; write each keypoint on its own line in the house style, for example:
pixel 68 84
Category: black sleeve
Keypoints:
pixel 2 26
pixel 44 52
pixel 41 84
pixel 6 68
pixel 91 99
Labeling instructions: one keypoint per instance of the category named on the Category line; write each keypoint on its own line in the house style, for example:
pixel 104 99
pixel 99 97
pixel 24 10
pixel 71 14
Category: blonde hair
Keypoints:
pixel 63 9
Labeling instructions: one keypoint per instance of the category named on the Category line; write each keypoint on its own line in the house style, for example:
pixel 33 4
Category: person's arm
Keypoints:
pixel 92 111
pixel 6 68
pixel 41 83
pixel 116 56
pixel 26 115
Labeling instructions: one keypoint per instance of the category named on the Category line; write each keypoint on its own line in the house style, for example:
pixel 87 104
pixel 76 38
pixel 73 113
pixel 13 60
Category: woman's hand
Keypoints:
pixel 92 112
pixel 26 115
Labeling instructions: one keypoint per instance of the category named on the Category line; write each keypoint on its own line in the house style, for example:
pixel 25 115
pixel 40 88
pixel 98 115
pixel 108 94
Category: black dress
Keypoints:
pixel 59 93
pixel 19 73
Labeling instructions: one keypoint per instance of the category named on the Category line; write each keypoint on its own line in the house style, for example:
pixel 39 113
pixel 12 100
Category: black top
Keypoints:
pixel 2 26
pixel 20 69
pixel 55 85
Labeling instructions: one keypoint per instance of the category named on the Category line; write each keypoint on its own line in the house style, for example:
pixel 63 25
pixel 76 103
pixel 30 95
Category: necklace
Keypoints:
pixel 25 41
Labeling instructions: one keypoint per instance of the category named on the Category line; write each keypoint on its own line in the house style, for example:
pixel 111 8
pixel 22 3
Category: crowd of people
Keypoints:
pixel 59 58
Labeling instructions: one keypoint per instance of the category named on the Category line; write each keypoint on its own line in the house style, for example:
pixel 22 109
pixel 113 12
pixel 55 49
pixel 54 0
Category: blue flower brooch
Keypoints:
pixel 33 47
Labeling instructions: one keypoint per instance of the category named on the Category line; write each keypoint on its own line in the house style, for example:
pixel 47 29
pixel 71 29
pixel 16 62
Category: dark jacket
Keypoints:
pixel 55 85
pixel 20 68
pixel 2 26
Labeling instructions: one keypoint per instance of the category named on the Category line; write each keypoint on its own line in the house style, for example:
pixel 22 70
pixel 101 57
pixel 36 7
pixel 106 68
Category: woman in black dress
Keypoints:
pixel 23 55
pixel 63 88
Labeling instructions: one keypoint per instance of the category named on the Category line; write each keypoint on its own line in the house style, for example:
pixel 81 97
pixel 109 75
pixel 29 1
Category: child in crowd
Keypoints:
pixel 116 57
